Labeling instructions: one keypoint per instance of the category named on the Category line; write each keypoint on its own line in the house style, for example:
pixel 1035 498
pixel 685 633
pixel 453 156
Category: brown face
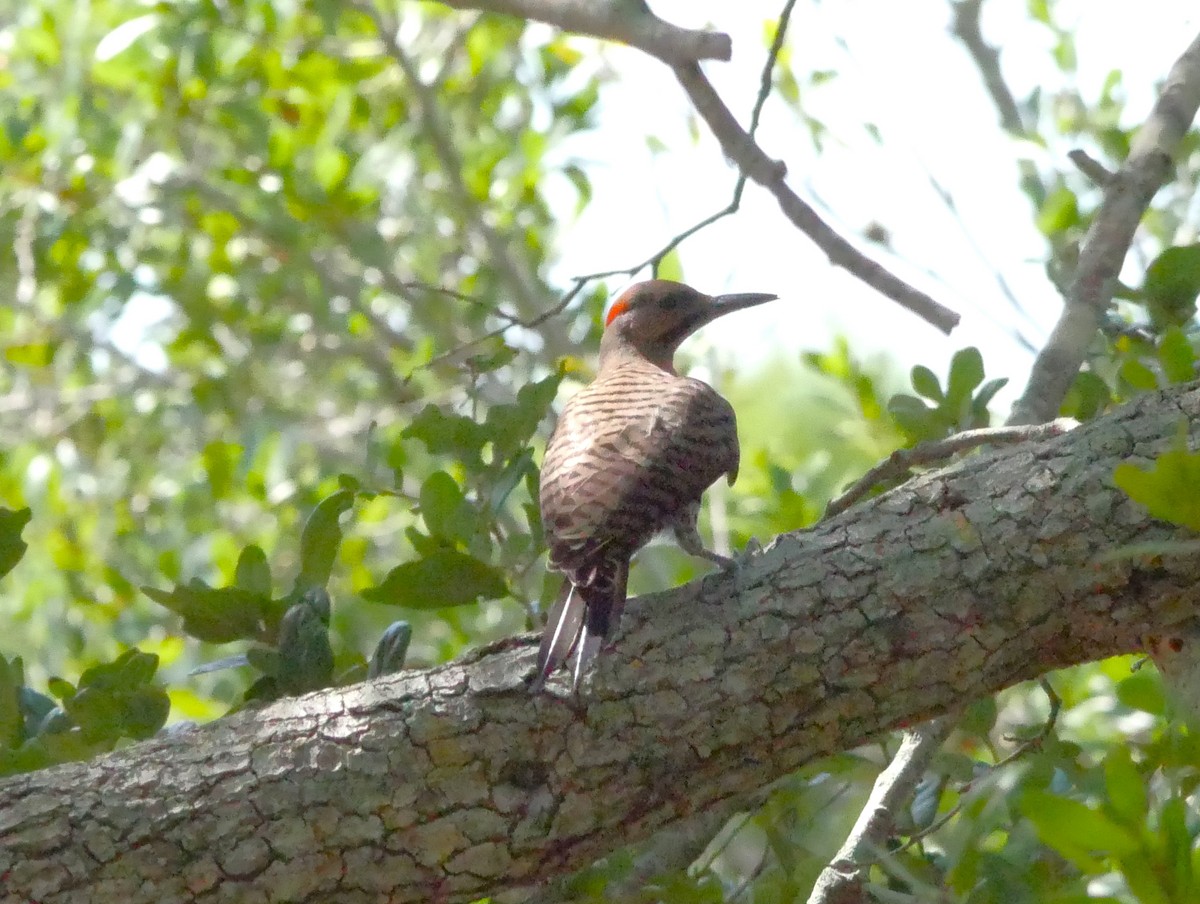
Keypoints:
pixel 659 314
pixel 660 311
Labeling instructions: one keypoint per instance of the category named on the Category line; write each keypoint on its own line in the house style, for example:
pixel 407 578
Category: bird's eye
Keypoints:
pixel 669 302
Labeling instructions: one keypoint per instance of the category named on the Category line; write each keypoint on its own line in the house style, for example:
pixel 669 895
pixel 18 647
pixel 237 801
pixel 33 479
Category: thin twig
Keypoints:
pixel 1022 749
pixel 1090 167
pixel 987 60
pixel 740 147
pixel 531 323
pixel 629 23
pixel 735 202
pixel 900 462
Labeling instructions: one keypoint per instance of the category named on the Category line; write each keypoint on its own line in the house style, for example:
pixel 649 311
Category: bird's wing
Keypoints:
pixel 621 477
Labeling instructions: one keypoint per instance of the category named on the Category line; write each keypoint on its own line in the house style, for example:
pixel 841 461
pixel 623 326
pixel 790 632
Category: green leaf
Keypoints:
pixel 12 547
pixel 130 669
pixel 1059 212
pixel 321 538
pixel 33 354
pixel 444 577
pixel 330 166
pixel 215 615
pixel 1177 356
pixel 448 434
pixel 1143 878
pixel 511 477
pixel 220 465
pixel 915 418
pixel 511 426
pixel 583 185
pixel 987 392
pixel 1138 375
pixel 444 508
pixel 926 383
pixel 145 712
pixel 966 372
pixel 1143 690
pixel 253 574
pixel 305 656
pixel 1170 490
pixel 1172 285
pixel 1125 787
pixel 1076 830
pixel 1088 396
pixel 1177 844
pixel 669 267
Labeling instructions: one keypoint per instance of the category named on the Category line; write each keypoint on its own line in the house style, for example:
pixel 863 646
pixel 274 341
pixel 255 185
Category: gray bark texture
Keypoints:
pixel 454 783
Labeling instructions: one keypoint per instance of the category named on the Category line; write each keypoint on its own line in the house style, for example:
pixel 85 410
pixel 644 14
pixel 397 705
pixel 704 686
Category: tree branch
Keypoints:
pixel 987 60
pixel 735 202
pixel 1126 197
pixel 454 783
pixel 900 462
pixel 741 148
pixel 842 880
pixel 629 22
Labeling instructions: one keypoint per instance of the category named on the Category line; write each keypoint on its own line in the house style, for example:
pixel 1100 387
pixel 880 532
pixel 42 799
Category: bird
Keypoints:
pixel 631 455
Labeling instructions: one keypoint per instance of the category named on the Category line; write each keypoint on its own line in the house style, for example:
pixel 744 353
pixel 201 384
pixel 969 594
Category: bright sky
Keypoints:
pixel 898 67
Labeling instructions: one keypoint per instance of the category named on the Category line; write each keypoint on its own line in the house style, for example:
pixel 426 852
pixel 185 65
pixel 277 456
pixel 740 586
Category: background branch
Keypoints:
pixel 629 23
pixel 1126 197
pixel 842 880
pixel 740 147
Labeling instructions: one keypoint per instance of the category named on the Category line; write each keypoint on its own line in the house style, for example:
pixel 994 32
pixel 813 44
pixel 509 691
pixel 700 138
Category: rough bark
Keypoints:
pixel 453 783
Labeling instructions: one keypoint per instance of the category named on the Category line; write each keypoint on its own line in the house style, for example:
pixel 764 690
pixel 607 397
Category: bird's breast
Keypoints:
pixel 629 452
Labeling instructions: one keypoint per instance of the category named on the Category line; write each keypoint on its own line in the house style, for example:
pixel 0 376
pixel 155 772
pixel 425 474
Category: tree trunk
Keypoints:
pixel 454 783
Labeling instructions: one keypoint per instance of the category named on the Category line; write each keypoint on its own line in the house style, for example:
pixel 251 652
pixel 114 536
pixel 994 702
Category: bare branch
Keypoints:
pixel 842 880
pixel 900 462
pixel 529 324
pixel 740 147
pixel 1126 198
pixel 1024 748
pixel 1090 167
pixel 629 23
pixel 735 203
pixel 987 61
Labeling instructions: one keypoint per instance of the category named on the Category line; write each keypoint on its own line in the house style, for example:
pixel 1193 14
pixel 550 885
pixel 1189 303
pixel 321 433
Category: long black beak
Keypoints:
pixel 727 304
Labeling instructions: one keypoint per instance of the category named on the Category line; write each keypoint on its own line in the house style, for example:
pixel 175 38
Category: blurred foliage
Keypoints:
pixel 955 407
pixel 277 370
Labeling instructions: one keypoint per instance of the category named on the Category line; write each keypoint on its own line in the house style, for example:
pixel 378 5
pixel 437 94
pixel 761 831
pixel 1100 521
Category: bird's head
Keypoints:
pixel 652 318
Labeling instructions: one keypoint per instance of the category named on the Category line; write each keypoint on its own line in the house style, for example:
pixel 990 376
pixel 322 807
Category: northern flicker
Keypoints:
pixel 631 456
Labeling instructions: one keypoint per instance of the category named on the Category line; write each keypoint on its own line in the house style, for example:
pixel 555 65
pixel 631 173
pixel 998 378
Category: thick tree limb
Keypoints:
pixel 452 783
pixel 1126 196
pixel 629 22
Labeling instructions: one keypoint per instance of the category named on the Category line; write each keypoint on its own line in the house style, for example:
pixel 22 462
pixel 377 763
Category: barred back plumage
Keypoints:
pixel 632 454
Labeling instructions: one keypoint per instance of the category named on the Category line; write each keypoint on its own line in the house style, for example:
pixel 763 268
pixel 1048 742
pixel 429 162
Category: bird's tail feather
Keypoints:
pixel 562 630
pixel 582 619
